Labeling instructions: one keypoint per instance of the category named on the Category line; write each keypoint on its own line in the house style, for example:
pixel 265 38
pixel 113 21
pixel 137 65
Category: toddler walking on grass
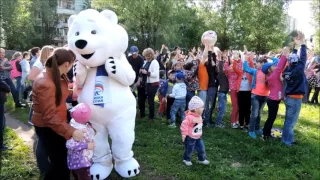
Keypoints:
pixel 191 131
pixel 80 153
pixel 179 93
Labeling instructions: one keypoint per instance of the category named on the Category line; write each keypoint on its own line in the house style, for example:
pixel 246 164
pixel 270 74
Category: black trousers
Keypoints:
pixel 142 96
pixel 244 104
pixel 273 107
pixel 169 105
pixel 314 98
pixel 151 93
pixel 55 146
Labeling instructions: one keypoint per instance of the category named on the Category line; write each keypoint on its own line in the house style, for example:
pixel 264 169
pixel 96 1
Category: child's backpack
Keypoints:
pixel 18 66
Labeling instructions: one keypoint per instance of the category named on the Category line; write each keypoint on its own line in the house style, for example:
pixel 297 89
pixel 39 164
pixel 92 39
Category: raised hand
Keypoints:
pixel 286 51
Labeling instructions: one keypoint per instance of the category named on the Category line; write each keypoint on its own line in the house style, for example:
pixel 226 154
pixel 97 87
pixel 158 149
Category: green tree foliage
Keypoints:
pixel 45 20
pixel 15 18
pixel 259 24
pixel 28 23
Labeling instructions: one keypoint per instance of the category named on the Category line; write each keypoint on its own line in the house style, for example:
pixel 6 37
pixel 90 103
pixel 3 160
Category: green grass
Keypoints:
pixel 232 153
pixel 18 164
pixel 21 114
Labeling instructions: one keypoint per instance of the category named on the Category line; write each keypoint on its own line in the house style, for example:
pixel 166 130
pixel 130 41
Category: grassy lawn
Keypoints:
pixel 18 163
pixel 232 153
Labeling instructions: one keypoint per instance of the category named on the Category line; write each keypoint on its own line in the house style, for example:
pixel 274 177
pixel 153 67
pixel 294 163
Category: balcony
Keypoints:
pixel 66 7
pixel 65 11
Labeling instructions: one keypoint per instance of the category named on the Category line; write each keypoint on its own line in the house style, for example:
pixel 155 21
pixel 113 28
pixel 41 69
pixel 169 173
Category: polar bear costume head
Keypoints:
pixel 94 37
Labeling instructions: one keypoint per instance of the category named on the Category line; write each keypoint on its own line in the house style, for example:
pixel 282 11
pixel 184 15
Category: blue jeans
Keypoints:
pixel 178 104
pixel 293 107
pixel 42 157
pixel 30 113
pixel 18 85
pixel 190 144
pixel 202 95
pixel 3 99
pixel 222 103
pixel 257 103
pixel 210 104
pixel 14 91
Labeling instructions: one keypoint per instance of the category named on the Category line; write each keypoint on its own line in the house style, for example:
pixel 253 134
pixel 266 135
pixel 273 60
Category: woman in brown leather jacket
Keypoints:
pixel 49 94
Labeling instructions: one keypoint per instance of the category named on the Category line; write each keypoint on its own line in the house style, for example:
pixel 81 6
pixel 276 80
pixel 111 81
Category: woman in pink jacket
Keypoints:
pixel 16 72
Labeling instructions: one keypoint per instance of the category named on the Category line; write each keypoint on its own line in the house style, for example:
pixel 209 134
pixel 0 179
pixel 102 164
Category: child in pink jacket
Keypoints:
pixel 191 131
pixel 80 153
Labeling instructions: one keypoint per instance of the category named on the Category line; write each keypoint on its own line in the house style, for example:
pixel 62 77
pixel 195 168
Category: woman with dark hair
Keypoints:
pixel 49 94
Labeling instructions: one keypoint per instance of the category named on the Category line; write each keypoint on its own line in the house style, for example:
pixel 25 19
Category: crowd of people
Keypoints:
pixel 190 87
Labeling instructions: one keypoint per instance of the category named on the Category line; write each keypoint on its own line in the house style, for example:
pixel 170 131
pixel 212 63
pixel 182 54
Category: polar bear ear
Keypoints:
pixel 111 16
pixel 70 20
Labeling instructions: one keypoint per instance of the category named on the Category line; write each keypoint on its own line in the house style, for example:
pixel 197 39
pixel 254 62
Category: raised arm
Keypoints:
pixel 248 69
pixel 235 68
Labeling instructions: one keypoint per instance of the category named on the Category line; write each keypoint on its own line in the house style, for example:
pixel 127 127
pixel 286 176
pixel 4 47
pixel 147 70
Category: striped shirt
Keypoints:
pixel 5 74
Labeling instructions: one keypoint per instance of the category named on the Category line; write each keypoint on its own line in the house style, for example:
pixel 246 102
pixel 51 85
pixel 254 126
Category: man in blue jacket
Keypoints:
pixel 295 89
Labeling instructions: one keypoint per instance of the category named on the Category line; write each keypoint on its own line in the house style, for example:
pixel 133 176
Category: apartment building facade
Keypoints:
pixel 65 9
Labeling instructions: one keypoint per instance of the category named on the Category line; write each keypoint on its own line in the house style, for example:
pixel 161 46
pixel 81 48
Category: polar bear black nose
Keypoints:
pixel 81 43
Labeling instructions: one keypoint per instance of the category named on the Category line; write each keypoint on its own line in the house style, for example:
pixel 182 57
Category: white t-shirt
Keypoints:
pixel 38 64
pixel 245 85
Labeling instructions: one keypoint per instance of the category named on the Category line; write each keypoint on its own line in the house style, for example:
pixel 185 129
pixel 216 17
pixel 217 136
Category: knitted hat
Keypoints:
pixel 195 103
pixel 81 113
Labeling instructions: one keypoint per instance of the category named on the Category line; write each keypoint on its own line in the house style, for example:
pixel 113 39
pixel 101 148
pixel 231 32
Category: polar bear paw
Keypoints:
pixel 99 171
pixel 111 66
pixel 127 169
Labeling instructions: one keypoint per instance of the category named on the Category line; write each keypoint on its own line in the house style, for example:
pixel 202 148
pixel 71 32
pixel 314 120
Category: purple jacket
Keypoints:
pixel 78 154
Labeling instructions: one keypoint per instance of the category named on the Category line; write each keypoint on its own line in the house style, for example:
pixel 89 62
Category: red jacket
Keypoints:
pixel 238 68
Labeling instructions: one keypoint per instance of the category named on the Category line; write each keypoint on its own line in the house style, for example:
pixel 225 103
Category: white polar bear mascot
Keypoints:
pixel 104 75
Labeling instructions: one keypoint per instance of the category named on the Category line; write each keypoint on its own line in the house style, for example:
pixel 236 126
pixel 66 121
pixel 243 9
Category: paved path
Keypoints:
pixel 25 132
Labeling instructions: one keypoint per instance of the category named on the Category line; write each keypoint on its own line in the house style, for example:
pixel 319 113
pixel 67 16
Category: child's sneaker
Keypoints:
pixel 234 126
pixel 253 135
pixel 172 125
pixel 220 126
pixel 187 163
pixel 205 162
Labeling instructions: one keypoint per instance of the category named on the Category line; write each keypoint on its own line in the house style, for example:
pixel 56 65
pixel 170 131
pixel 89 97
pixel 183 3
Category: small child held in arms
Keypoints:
pixel 179 93
pixel 80 152
pixel 191 131
pixel 163 87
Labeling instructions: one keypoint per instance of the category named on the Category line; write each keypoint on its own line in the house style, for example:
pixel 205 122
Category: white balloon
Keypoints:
pixel 209 38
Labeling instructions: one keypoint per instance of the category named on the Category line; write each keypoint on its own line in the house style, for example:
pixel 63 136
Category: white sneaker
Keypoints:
pixel 234 126
pixel 187 163
pixel 205 162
